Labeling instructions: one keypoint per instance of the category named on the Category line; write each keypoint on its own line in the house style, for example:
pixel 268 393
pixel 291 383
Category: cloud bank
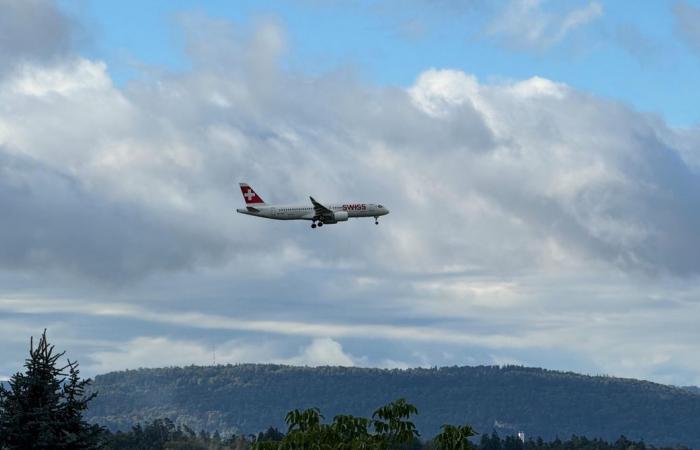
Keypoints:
pixel 529 220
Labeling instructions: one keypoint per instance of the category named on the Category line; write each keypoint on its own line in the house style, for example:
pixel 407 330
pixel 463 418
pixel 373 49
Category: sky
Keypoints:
pixel 539 158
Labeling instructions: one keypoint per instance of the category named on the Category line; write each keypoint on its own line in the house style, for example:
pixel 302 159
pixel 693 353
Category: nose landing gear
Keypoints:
pixel 376 220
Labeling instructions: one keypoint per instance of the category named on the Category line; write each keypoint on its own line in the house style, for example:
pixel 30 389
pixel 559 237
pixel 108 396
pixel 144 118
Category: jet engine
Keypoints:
pixel 340 216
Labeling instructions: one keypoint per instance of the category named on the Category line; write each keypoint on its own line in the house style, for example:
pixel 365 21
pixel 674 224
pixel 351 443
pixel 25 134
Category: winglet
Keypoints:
pixel 319 208
pixel 317 204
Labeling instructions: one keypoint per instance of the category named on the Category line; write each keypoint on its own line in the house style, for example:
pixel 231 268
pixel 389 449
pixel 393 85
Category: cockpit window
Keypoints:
pixel 380 207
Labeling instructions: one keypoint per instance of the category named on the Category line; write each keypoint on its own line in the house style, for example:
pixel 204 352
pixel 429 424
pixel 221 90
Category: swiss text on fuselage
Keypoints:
pixel 355 207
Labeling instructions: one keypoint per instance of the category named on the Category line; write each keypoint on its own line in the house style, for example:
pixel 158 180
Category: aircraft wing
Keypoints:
pixel 320 210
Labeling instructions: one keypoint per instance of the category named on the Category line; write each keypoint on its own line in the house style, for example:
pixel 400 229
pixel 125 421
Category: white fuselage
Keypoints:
pixel 307 212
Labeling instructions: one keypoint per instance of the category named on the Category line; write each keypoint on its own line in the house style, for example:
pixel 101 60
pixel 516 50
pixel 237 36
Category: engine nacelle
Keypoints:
pixel 340 216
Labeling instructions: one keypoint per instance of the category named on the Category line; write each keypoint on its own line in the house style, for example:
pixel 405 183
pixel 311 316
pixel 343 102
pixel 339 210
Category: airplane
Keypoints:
pixel 317 213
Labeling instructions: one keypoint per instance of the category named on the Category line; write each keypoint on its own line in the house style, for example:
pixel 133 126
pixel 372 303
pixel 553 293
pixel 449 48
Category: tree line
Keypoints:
pixel 44 405
pixel 247 398
pixel 165 434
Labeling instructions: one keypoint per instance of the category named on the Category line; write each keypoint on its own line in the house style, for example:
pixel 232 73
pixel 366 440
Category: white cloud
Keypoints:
pixel 287 327
pixel 166 175
pixel 322 352
pixel 76 77
pixel 502 360
pixel 437 92
pixel 150 352
pixel 527 25
pixel 527 217
pixel 159 351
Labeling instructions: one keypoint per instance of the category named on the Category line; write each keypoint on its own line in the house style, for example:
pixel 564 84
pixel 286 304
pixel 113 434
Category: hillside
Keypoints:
pixel 694 389
pixel 249 398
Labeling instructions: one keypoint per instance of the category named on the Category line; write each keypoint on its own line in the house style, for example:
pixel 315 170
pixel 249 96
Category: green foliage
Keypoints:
pixel 354 431
pixel 303 421
pixel 391 429
pixel 455 437
pixel 43 407
pixel 390 421
pixel 308 432
pixel 244 399
pixel 164 434
pixel 305 431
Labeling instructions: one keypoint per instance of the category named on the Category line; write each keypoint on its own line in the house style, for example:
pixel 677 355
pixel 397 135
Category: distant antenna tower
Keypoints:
pixel 214 352
pixel 521 436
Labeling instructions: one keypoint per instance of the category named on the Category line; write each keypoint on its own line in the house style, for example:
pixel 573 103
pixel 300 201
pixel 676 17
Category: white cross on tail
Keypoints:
pixel 249 195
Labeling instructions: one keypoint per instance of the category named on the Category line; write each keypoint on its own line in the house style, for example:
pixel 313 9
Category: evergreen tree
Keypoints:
pixel 43 407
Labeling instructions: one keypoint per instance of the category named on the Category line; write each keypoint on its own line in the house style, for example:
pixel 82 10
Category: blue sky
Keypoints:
pixel 539 159
pixel 630 53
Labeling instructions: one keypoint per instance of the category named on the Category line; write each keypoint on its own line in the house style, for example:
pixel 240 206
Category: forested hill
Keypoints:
pixel 694 389
pixel 250 398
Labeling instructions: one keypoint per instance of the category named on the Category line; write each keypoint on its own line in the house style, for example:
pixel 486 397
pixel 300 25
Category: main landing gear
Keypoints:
pixel 314 225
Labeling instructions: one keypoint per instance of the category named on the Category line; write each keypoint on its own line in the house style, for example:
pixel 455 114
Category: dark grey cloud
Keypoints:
pixel 52 221
pixel 33 30
pixel 638 212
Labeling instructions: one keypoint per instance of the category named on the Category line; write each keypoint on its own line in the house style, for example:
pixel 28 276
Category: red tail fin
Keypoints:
pixel 251 198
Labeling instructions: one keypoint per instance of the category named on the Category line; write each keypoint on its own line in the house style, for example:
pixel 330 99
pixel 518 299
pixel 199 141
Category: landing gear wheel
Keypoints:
pixel 376 221
pixel 320 224
pixel 313 225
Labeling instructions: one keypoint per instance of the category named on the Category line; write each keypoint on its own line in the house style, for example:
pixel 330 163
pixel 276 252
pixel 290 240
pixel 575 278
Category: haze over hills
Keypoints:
pixel 249 398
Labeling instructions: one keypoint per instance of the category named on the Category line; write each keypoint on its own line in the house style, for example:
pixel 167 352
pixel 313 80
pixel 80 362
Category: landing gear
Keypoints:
pixel 313 225
pixel 376 220
pixel 320 224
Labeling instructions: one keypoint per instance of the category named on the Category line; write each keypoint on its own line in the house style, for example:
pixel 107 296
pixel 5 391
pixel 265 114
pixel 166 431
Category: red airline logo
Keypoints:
pixel 250 196
pixel 355 207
